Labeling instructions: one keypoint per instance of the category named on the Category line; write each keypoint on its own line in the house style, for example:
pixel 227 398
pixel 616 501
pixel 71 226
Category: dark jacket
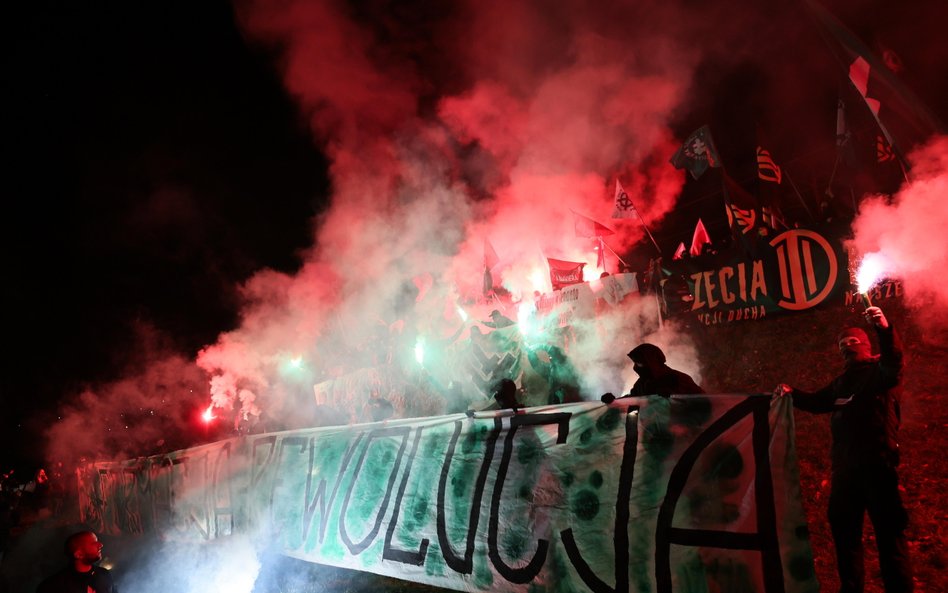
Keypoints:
pixel 668 383
pixel 864 401
pixel 68 580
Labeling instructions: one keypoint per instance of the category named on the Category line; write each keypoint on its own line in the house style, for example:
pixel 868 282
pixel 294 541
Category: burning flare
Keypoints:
pixel 873 268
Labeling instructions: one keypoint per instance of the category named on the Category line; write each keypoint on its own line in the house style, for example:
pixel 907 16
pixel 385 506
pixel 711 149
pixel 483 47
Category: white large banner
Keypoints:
pixel 688 494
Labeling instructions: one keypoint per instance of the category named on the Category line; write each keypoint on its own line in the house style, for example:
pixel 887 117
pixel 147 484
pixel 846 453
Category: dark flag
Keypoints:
pixel 741 208
pixel 767 169
pixel 490 261
pixel 563 273
pixel 902 117
pixel 697 153
pixel 884 152
pixel 743 215
pixel 845 152
pixel 770 179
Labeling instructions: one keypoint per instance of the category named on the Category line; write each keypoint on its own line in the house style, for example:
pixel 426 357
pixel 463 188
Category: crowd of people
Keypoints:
pixel 864 403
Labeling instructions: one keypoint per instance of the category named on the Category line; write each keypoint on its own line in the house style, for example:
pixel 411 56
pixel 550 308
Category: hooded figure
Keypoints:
pixel 656 377
pixel 864 403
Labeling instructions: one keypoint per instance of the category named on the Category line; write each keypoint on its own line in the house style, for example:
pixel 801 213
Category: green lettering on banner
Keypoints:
pixel 692 493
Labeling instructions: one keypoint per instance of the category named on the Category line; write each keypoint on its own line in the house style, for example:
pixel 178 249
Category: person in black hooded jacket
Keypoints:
pixel 655 377
pixel 864 402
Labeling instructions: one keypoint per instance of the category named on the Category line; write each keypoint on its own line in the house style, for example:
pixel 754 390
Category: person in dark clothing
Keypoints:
pixel 655 377
pixel 82 575
pixel 504 395
pixel 864 402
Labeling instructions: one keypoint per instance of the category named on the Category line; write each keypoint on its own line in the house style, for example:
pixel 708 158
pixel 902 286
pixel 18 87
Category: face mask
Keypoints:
pixel 854 350
pixel 643 371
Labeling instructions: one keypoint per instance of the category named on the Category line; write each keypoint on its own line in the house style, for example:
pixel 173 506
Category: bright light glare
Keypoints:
pixel 208 414
pixel 420 350
pixel 461 312
pixel 872 268
pixel 539 280
pixel 296 362
pixel 525 320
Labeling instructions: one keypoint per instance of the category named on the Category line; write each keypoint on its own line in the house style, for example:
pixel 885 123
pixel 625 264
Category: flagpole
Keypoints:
pixel 603 244
pixel 644 226
pixel 796 191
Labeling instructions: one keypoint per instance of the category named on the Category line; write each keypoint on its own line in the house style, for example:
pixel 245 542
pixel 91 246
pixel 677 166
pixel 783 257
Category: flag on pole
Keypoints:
pixel 601 255
pixel 741 207
pixel 563 273
pixel 699 239
pixel 884 152
pixel 697 153
pixel 767 169
pixel 624 208
pixel 623 204
pixel 903 119
pixel 490 261
pixel 680 251
pixel 845 150
pixel 490 255
pixel 770 178
pixel 589 228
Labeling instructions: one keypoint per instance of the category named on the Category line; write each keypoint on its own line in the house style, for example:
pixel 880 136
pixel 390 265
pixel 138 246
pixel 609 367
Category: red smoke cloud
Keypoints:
pixel 448 124
pixel 493 123
pixel 909 230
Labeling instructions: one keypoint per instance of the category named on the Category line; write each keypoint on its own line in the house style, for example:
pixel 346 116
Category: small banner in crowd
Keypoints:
pixel 563 273
pixel 687 494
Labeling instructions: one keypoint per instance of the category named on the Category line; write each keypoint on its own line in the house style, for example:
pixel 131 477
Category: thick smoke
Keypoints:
pixel 448 126
pixel 526 115
pixel 150 410
pixel 908 231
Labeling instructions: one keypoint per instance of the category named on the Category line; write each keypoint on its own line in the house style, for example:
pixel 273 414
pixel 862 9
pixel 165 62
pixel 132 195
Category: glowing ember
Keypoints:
pixel 208 414
pixel 872 268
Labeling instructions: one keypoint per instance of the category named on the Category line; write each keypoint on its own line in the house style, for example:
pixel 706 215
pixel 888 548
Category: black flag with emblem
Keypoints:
pixel 697 153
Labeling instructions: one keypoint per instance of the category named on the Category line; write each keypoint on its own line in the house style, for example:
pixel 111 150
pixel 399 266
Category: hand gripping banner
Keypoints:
pixel 691 494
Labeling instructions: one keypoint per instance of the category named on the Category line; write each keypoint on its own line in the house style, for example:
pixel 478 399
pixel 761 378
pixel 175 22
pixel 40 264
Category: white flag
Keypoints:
pixel 624 207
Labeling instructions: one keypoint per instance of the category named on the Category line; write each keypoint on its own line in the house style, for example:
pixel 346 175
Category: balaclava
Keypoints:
pixel 860 352
pixel 647 360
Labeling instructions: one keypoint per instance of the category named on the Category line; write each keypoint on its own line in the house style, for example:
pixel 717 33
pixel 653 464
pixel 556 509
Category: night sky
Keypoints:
pixel 153 162
pixel 160 154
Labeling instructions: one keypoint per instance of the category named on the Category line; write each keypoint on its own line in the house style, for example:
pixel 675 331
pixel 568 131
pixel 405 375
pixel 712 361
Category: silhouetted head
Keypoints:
pixel 505 392
pixel 647 360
